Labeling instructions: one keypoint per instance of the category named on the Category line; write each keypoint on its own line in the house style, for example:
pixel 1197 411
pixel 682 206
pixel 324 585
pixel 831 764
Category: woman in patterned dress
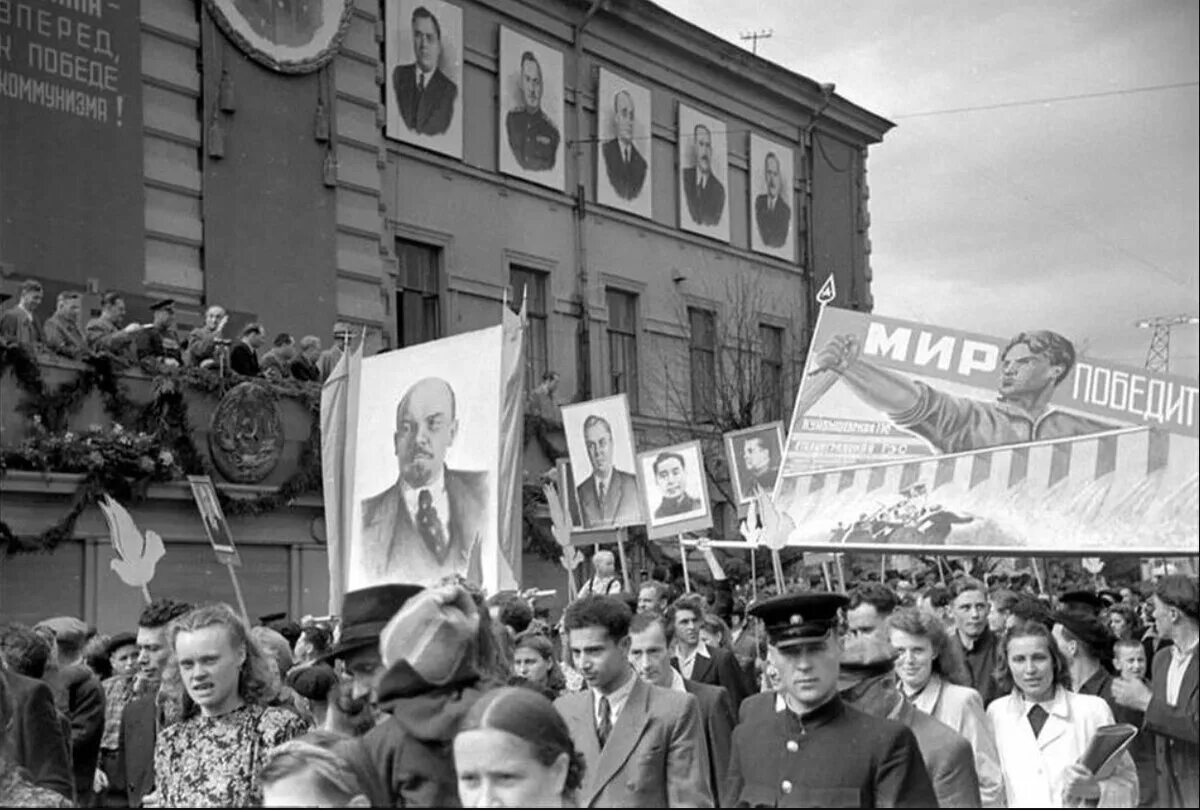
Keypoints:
pixel 213 756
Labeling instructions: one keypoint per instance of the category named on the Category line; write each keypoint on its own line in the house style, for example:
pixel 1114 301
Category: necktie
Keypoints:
pixel 430 526
pixel 604 727
pixel 600 489
pixel 1037 718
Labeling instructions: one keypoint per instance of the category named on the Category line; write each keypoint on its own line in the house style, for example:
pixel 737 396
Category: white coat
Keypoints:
pixel 961 708
pixel 1034 768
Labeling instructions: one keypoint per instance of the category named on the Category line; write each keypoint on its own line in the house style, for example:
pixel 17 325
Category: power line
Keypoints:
pixel 1051 100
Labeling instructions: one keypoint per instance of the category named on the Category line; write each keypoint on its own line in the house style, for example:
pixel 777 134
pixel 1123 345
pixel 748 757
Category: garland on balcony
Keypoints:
pixel 158 430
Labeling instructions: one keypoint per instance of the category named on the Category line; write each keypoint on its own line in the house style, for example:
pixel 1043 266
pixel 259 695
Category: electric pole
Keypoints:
pixel 755 36
pixel 1158 356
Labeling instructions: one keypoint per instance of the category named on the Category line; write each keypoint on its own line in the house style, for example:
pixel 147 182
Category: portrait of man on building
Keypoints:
pixel 531 109
pixel 600 443
pixel 1031 366
pixel 754 455
pixel 433 519
pixel 675 489
pixel 425 66
pixel 770 187
pixel 624 124
pixel 702 156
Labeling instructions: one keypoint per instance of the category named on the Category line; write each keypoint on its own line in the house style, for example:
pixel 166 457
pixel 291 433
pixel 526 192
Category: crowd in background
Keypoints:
pixel 951 694
pixel 158 344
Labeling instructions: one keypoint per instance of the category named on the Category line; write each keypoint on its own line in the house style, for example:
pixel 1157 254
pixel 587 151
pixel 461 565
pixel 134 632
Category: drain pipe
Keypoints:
pixel 583 381
pixel 827 90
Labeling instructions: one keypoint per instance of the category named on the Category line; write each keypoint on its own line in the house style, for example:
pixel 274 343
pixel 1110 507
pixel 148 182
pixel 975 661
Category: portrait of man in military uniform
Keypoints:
pixel 531 110
pixel 424 69
pixel 771 197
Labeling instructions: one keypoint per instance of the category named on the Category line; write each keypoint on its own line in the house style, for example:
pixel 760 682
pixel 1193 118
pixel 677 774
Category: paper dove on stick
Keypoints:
pixel 137 555
pixel 776 525
pixel 571 558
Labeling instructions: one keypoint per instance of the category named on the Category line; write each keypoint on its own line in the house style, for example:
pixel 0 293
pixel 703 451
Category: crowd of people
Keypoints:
pixel 953 695
pixel 158 344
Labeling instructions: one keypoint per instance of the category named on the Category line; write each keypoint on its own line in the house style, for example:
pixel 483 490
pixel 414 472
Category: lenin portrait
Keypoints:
pixel 771 196
pixel 702 179
pixel 424 102
pixel 531 110
pixel 754 455
pixel 431 520
pixel 623 124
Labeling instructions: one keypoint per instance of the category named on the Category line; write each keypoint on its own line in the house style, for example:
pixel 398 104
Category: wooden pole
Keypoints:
pixel 624 562
pixel 754 579
pixel 687 578
pixel 146 594
pixel 841 569
pixel 237 590
pixel 826 575
pixel 1037 574
pixel 941 570
pixel 777 564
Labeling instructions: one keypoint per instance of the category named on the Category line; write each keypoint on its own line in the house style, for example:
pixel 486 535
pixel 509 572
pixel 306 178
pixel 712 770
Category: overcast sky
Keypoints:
pixel 1079 216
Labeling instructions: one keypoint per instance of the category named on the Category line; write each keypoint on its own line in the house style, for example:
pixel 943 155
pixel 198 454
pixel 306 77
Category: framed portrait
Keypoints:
pixel 288 36
pixel 531 110
pixel 204 493
pixel 703 174
pixel 425 486
pixel 772 203
pixel 423 50
pixel 601 448
pixel 754 456
pixel 624 149
pixel 674 490
pixel 569 494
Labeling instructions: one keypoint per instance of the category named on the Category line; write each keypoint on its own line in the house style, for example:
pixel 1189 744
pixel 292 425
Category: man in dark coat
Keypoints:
pixel 61 330
pixel 79 697
pixel 424 93
pixel 772 214
pixel 623 163
pixel 532 136
pixel 806 747
pixel 650 653
pixel 243 357
pixel 39 741
pixel 973 641
pixel 694 659
pixel 703 192
pixel 160 341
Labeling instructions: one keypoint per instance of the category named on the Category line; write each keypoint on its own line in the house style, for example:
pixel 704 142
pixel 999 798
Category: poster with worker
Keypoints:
pixel 435 462
pixel 908 436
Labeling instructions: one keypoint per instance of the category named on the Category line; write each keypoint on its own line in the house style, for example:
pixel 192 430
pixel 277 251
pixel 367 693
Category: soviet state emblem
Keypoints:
pixel 246 434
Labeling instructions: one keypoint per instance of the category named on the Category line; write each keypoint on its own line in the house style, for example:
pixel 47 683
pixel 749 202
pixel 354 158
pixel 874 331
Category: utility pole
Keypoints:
pixel 755 36
pixel 1158 356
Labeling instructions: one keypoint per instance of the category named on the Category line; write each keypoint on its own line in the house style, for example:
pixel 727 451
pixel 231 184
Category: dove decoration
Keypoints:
pixel 137 554
pixel 571 558
pixel 776 526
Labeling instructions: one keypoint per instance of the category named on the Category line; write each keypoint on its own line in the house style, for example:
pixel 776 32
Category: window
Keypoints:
pixel 770 339
pixel 702 352
pixel 531 284
pixel 417 315
pixel 622 345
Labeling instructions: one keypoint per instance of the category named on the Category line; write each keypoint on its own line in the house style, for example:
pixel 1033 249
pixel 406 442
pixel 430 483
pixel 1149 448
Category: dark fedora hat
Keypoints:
pixel 1089 631
pixel 366 612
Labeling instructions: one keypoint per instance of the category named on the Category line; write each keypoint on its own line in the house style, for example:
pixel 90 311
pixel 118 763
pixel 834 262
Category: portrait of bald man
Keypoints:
pixel 623 163
pixel 431 521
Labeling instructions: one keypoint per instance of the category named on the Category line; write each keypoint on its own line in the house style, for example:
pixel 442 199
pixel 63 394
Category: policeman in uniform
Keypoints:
pixel 160 341
pixel 806 748
pixel 532 136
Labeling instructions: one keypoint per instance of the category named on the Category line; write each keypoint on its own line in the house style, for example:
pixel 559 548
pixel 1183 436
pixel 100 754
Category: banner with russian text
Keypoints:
pixel 912 437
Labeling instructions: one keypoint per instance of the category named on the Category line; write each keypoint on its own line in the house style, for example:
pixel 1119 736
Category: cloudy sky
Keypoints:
pixel 1077 215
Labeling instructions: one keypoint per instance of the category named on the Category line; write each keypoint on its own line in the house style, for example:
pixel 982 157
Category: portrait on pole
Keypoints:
pixel 600 444
pixel 424 74
pixel 754 456
pixel 703 174
pixel 674 489
pixel 531 110
pixel 773 227
pixel 624 144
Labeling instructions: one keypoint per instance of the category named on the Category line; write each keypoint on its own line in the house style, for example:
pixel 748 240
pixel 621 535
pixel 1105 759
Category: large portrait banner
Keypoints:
pixel 603 475
pixel 771 198
pixel 913 437
pixel 674 490
pixel 625 143
pixel 703 174
pixel 298 36
pixel 531 110
pixel 424 72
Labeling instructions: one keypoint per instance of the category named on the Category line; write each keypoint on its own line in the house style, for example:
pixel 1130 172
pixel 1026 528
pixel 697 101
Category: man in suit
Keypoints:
pixel 760 467
pixel 642 745
pixel 424 93
pixel 805 746
pixel 61 330
pixel 131 775
pixel 671 476
pixel 624 164
pixel 608 497
pixel 650 653
pixel 1172 702
pixel 104 335
pixel 694 659
pixel 39 741
pixel 867 681
pixel 771 212
pixel 243 357
pixel 431 522
pixel 18 323
pixel 532 136
pixel 703 191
